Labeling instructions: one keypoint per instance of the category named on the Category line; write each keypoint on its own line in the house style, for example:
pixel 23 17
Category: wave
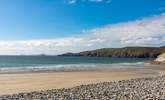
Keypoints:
pixel 67 67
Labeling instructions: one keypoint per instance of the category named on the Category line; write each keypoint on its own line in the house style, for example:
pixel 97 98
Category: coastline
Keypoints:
pixel 13 83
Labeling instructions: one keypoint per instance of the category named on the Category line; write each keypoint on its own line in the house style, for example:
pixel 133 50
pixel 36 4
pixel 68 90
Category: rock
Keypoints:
pixel 161 58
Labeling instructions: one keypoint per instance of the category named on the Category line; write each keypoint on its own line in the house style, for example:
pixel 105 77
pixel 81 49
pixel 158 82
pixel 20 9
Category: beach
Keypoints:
pixel 82 50
pixel 13 83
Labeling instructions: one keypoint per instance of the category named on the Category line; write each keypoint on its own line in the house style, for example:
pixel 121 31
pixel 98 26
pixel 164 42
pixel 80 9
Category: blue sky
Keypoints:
pixel 49 23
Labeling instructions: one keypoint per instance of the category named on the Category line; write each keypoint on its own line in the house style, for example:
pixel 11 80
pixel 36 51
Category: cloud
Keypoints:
pixel 142 32
pixel 106 1
pixel 94 1
pixel 46 46
pixel 71 1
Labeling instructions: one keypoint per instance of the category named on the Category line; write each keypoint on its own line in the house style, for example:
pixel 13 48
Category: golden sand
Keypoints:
pixel 26 82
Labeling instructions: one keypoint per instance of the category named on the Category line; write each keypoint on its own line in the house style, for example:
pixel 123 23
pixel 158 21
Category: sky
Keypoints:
pixel 59 26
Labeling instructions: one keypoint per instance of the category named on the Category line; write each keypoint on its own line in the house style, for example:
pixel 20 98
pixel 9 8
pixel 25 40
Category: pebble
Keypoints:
pixel 152 88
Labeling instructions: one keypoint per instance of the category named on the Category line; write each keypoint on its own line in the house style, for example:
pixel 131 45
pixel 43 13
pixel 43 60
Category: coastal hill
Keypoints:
pixel 138 52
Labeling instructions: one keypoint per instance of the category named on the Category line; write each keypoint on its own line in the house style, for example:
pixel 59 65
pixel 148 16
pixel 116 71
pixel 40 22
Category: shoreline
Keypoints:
pixel 14 83
pixel 73 68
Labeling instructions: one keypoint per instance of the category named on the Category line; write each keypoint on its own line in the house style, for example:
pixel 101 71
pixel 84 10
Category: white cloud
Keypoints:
pixel 106 1
pixel 49 46
pixel 143 32
pixel 71 1
pixel 96 1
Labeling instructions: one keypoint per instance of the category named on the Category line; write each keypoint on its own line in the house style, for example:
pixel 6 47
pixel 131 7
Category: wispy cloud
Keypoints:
pixel 94 1
pixel 71 1
pixel 143 32
pixel 106 1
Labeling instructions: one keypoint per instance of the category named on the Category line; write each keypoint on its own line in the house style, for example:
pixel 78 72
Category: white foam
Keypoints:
pixel 46 67
pixel 66 67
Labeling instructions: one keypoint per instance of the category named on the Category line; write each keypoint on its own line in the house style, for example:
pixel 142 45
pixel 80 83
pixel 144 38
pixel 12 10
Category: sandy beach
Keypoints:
pixel 27 82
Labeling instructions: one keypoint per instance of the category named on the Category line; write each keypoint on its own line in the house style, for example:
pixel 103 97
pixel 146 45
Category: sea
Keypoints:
pixel 58 63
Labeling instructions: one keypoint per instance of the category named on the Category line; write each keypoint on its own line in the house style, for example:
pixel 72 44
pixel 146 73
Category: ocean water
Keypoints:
pixel 38 63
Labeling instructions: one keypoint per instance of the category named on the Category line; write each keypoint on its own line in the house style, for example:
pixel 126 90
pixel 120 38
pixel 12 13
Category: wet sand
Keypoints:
pixel 27 82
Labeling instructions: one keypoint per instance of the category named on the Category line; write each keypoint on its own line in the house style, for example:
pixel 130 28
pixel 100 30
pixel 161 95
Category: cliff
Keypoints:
pixel 159 60
pixel 138 52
